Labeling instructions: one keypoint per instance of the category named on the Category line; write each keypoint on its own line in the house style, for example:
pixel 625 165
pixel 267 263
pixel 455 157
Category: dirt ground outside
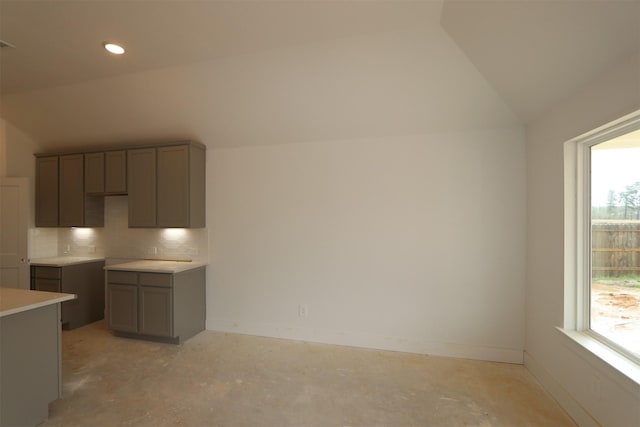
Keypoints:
pixel 615 311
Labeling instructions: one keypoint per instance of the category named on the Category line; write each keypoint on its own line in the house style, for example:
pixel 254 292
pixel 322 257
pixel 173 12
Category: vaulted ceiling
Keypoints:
pixel 536 53
pixel 58 85
pixel 59 42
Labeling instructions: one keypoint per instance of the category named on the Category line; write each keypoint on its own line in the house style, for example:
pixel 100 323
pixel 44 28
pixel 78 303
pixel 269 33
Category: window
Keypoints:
pixel 602 235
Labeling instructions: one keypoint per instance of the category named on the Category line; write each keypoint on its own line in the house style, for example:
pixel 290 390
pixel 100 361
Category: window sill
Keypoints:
pixel 625 369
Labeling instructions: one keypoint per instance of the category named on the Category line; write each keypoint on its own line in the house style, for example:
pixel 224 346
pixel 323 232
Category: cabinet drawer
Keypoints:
pixel 47 285
pixel 126 277
pixel 155 279
pixel 47 272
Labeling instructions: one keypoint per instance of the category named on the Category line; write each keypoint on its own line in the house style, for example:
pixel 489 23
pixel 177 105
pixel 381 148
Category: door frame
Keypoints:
pixel 22 184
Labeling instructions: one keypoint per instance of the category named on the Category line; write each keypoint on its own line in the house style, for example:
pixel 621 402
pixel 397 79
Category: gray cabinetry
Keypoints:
pixel 60 194
pixel 47 191
pixel 167 186
pixel 159 306
pixel 122 307
pixel 71 190
pixel 94 173
pixel 115 166
pixel 105 173
pixel 181 186
pixel 141 170
pixel 156 311
pixel 85 280
pixel 30 365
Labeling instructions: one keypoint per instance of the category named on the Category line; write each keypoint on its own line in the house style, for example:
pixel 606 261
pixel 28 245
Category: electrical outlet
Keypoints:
pixel 303 310
pixel 91 249
pixel 67 249
pixel 152 250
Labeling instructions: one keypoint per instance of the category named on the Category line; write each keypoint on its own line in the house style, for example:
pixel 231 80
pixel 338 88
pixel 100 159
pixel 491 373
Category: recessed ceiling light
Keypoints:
pixel 114 48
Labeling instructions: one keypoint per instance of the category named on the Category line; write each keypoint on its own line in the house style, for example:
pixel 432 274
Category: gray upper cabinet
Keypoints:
pixel 71 190
pixel 181 194
pixel 47 191
pixel 76 209
pixel 60 195
pixel 115 168
pixel 141 171
pixel 167 186
pixel 105 173
pixel 94 173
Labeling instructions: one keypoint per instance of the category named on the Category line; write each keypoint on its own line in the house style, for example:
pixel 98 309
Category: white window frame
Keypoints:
pixel 577 247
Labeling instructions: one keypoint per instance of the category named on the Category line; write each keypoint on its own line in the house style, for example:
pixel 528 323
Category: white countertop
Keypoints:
pixel 61 261
pixel 14 301
pixel 156 266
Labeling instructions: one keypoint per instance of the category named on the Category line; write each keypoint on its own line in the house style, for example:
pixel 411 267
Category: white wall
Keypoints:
pixel 390 199
pixel 19 162
pixel 585 387
pixel 403 243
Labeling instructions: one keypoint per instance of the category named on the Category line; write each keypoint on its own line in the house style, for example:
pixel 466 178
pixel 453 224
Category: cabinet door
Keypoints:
pixel 47 285
pixel 116 172
pixel 141 177
pixel 173 186
pixel 156 311
pixel 122 307
pixel 47 191
pixel 94 173
pixel 71 190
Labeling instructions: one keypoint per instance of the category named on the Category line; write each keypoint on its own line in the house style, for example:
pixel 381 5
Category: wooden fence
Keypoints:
pixel 615 248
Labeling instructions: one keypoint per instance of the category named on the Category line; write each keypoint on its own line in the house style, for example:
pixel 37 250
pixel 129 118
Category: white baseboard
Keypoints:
pixel 408 345
pixel 559 393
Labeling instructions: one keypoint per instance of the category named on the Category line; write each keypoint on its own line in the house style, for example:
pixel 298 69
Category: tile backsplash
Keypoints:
pixel 117 240
pixel 43 242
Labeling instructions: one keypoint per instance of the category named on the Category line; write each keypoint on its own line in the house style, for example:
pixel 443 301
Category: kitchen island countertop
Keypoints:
pixel 61 261
pixel 14 301
pixel 156 266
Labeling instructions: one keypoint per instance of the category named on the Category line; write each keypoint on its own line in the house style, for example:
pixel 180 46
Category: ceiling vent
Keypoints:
pixel 4 44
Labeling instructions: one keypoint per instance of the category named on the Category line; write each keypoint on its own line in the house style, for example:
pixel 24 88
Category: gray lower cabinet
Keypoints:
pixel 122 307
pixel 30 365
pixel 159 306
pixel 85 280
pixel 156 311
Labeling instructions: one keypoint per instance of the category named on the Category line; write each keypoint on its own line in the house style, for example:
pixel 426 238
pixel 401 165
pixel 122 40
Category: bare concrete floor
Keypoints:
pixel 217 379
